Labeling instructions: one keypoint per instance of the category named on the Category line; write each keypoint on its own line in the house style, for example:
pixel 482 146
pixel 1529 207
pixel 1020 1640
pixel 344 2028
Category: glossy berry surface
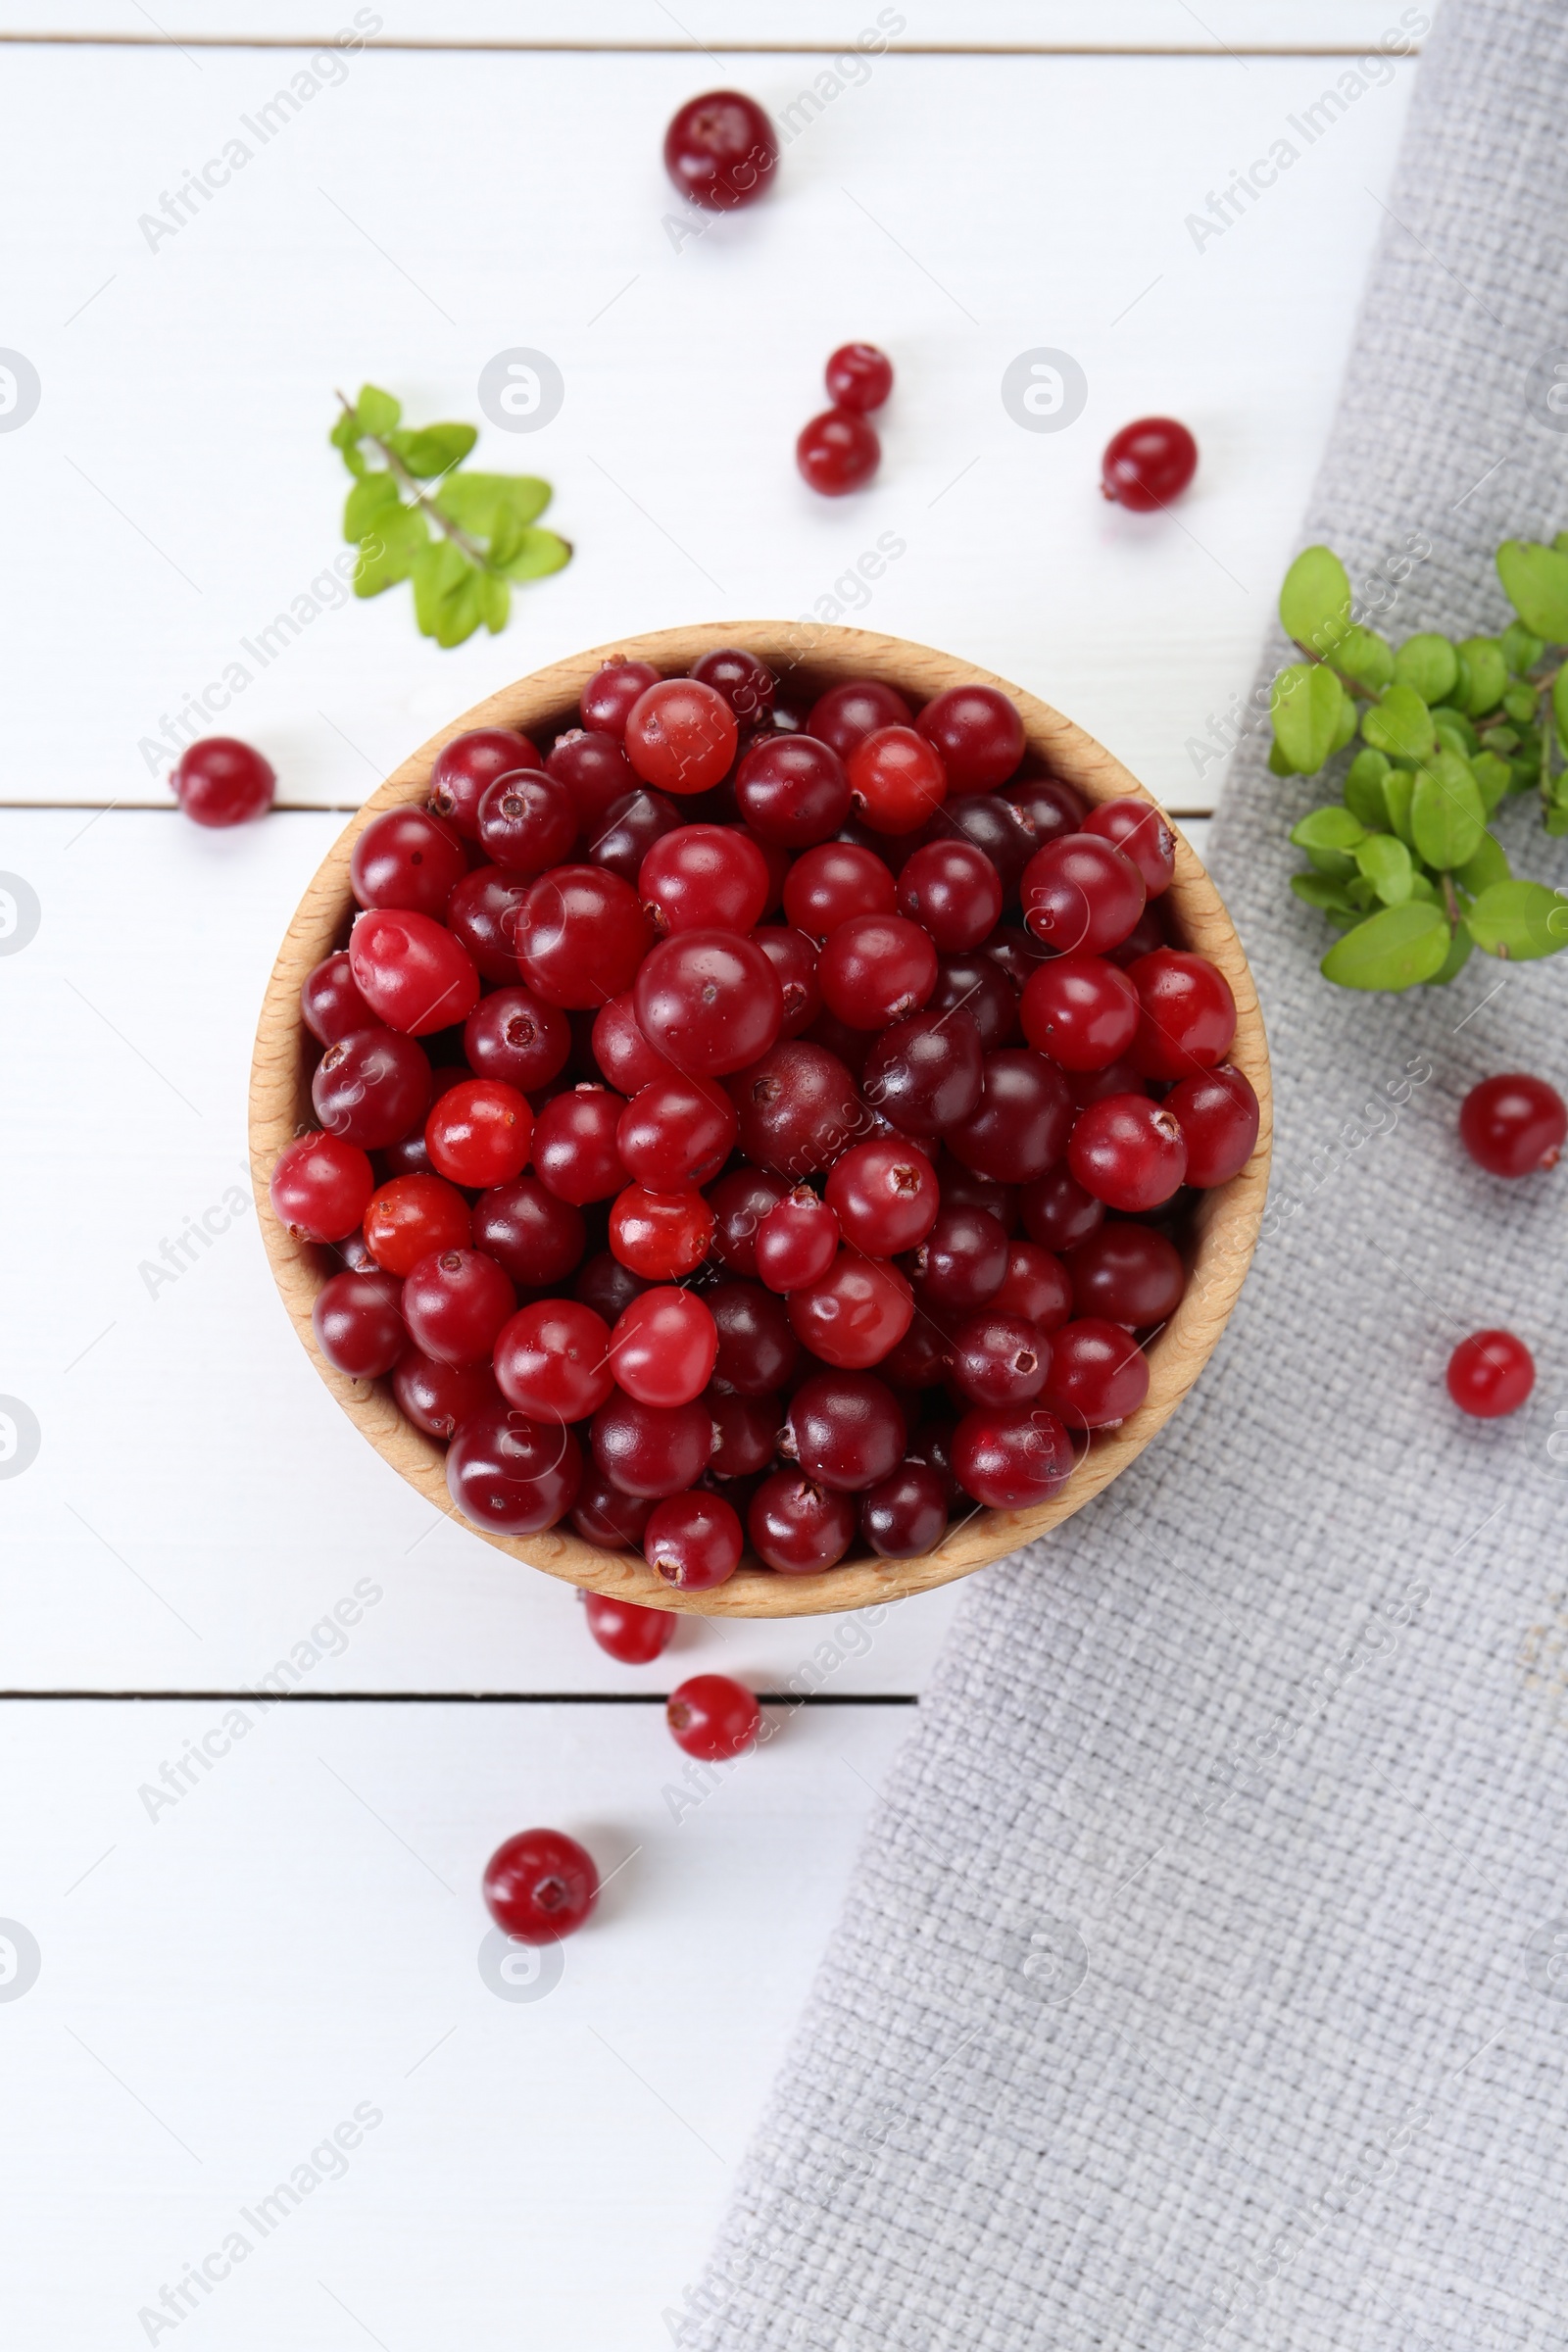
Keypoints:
pixel 1491 1374
pixel 1148 463
pixel 595 770
pixel 757 1348
pixel 848 712
pixel 514 1035
pixel 533 1235
pixel 661 1236
pixel 720 150
pixel 413 972
pixel 740 1201
pixel 609 695
pixel 846 1429
pixel 976 985
pixel 620 1050
pixel 676 1131
pixel 876 970
pixel 483 912
pixel 907 1514
pixel 623 1631
pixel 408 858
pixel 437 1397
pixel 1513 1125
pixel 979 734
pixel 797 1527
pixel 884 1195
pixel 797 1109
pixel 1035 1286
pixel 455 1302
pixel 963 1259
pixel 411 1216
pixel 527 821
pixel 837 452
pixel 746 1433
pixel 1010 1457
pixel 703 878
pixel 681 736
pixel 629 828
pixel 466 768
pixel 662 1348
pixel 834 883
pixel 1141 834
pixel 1099 1374
pixel 1080 896
pixel 711 1717
pixel 953 892
pixel 858 376
pixel 793 958
pixel 510 1475
pixel 746 684
pixel 896 780
pixel 358 1324
pixel 321 1187
pixel 1057 1211
pixel 999 1358
pixel 220 781
pixel 604 1514
pixel 651 1449
pixel 709 1002
pixel 1020 1126
pixel 694 1542
pixel 1129 1153
pixel 479 1133
pixel 575 1152
pixel 371 1086
pixel 1189 1014
pixel 1048 807
pixel 1080 1010
pixel 552 1360
pixel 925 1074
pixel 996 829
pixel 580 935
pixel 796 1241
pixel 853 1314
pixel 793 790
pixel 330 1003
pixel 1218 1114
pixel 540 1885
pixel 1127 1273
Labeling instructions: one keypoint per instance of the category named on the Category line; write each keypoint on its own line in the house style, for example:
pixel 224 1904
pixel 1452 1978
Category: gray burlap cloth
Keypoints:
pixel 1204 1976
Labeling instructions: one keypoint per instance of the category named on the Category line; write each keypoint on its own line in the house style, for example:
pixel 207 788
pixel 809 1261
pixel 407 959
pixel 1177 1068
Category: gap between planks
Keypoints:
pixel 459 1698
pixel 579 48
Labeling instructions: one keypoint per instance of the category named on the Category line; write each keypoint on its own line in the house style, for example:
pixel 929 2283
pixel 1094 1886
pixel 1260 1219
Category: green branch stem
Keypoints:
pixel 459 537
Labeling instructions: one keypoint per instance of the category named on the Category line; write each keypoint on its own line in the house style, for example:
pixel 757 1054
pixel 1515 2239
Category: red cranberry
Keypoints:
pixel 1057 1212
pixel 358 1324
pixel 1035 1286
pixel 321 1187
pixel 926 1074
pixel 1048 807
pixel 595 770
pixel 437 1397
pixel 1148 463
pixel 330 1003
pixel 662 1348
pixel 1129 1153
pixel 1127 1274
pixel 846 714
pixel 711 1717
pixel 876 968
pixel 738 1203
pixel 999 1358
pixel 634 1636
pixel 1010 1457
pixel 846 1429
pixel 466 768
pixel 609 694
pixel 720 150
pixel 607 1286
pixel 371 1087
pixel 757 1348
pixel 1189 1014
pixel 413 1215
pixel 907 1514
pixel 1490 1374
pixel 993 826
pixel 1145 935
pixel 858 376
pixel 884 1195
pixel 1021 1124
pixel 694 1542
pixel 1140 831
pixel 953 892
pixel 792 790
pixel 1218 1113
pixel 580 936
pixel 853 1314
pixel 479 1133
pixel 979 734
pixel 1081 894
pixel 676 1132
pixel 745 1431
pixel 796 1241
pixel 552 1360
pixel 575 1150
pixel 661 1236
pixel 976 982
pixel 703 878
pixel 531 1232
pixel 527 821
pixel 797 1527
pixel 746 684
pixel 1099 1374
pixel 413 973
pixel 513 1476
pixel 962 1261
pixel 798 1110
pixel 513 1036
pixel 606 1515
pixel 1513 1125
pixel 710 1000
pixel 681 736
pixel 540 1885
pixel 651 1449
pixel 483 912
pixel 961 1188
pixel 1098 1086
pixel 630 828
pixel 620 1050
pixel 455 1302
pixel 220 781
pixel 793 958
pixel 896 780
pixel 837 452
pixel 1080 1010
pixel 833 884
pixel 407 859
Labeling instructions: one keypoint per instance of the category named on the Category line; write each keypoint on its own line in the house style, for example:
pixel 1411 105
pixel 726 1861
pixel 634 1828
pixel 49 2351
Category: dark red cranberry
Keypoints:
pixel 513 1036
pixel 620 1052
pixel 1021 1124
pixel 833 884
pixel 596 772
pixel 1512 1125
pixel 738 1203
pixel 1127 1273
pixel 711 1717
pixel 1145 935
pixel 846 714
pixel 527 821
pixel 1011 1457
pixel 1057 1212
pixel 798 1110
pixel 999 1358
pixel 330 1003
pixel 1097 1085
pixel 455 1302
pixel 634 1636
pixel 858 376
pixel 580 936
pixel 926 1074
pixel 962 1261
pixel 540 1885
pixel 651 1449
pixel 371 1086
pixel 220 781
pixel 1140 831
pixel 963 1188
pixel 630 828
pixel 837 452
pixel 1218 1114
pixel 1080 895
pixel 746 1433
pixel 852 1048
pixel 603 1514
pixel 720 150
pixel 853 1314
pixel 1081 1011
pixel 953 892
pixel 792 790
pixel 1148 463
pixel 1129 1153
pixel 483 912
pixel 694 1542
pixel 1048 807
pixel 466 768
pixel 1035 1286
pixel 797 1241
pixel 978 985
pixel 536 1237
pixel 437 1397
pixel 609 694
pixel 994 828
pixel 979 734
pixel 408 858
pixel 1099 1374
pixel 793 958
pixel 710 1000
pixel 359 1327
pixel 746 684
pixel 576 1155
pixel 513 1476
pixel 757 1348
pixel 845 1430
pixel 607 1286
pixel 1490 1374
pixel 1189 1014
pixel 907 1514
pixel 797 1527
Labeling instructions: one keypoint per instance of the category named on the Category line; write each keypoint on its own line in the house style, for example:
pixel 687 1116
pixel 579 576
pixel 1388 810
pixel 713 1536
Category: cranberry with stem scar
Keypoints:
pixel 963 1259
pixel 320 1188
pixel 875 970
pixel 694 1542
pixel 1047 805
pixel 596 772
pixel 846 1429
pixel 746 684
pixel 455 1302
pixel 527 821
pixel 1129 1153
pixel 999 1358
pixel 513 1476
pixel 1513 1125
pixel 513 1035
pixel 884 1195
pixel 371 1087
pixel 408 858
pixel 438 1398
pixel 1218 1114
pixel 681 736
pixel 1081 894
pixel 798 1110
pixel 797 1527
pixel 793 958
pixel 1140 831
pixel 711 1717
pixel 466 768
pixel 710 1000
pixel 540 1885
pixel 896 780
pixel 705 878
pixel 746 1433
pixel 609 698
pixel 796 1241
pixel 413 1215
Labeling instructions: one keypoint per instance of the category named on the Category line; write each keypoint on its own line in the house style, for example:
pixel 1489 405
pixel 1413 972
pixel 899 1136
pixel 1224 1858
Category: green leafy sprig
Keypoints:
pixel 462 538
pixel 1405 863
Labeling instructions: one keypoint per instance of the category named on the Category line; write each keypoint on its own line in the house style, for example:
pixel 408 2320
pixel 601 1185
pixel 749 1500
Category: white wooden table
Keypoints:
pixel 292 1936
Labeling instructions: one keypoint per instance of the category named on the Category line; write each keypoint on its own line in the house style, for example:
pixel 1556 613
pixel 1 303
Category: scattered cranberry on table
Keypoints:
pixel 540 1885
pixel 625 1630
pixel 1148 463
pixel 837 452
pixel 1490 1374
pixel 1513 1125
pixel 720 150
pixel 858 376
pixel 220 781
pixel 712 1717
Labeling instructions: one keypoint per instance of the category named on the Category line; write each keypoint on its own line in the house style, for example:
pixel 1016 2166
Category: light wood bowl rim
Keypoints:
pixel 1228 1217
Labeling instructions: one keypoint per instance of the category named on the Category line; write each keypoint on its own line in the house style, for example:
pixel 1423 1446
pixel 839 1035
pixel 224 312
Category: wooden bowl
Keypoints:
pixel 1227 1218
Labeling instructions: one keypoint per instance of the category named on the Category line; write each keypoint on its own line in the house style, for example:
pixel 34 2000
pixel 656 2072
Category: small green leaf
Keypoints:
pixel 1349 719
pixel 1519 920
pixel 1401 723
pixel 1362 655
pixel 387 553
pixel 1487 671
pixel 1399 791
pixel 1521 703
pixel 1315 599
pixel 1521 648
pixel 1426 663
pixel 1494 778
pixel 1278 764
pixel 1455 730
pixel 1364 790
pixel 1327 828
pixel 541 553
pixel 495 597
pixel 481 502
pixel 1327 896
pixel 377 412
pixel 1446 816
pixel 448 601
pixel 1456 958
pixel 1305 707
pixel 345 436
pixel 373 496
pixel 1361 894
pixel 1385 864
pixel 1423 887
pixel 433 447
pixel 1394 948
pixel 1488 864
pixel 1535 580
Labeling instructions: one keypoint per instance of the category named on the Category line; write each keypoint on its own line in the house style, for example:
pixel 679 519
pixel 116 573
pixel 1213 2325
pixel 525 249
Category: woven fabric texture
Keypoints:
pixel 1205 1978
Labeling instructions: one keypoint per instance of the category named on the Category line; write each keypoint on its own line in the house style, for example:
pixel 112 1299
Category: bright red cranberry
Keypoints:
pixel 797 1241
pixel 651 1449
pixel 907 1514
pixel 220 781
pixel 527 821
pixel 321 1187
pixel 975 984
pixel 797 1527
pixel 466 768
pixel 1141 833
pixel 681 736
pixel 676 1132
pixel 580 936
pixel 609 695
pixel 758 1350
pixel 552 1360
pixel 845 1430
pixel 793 958
pixel 962 1261
pixel 1011 1457
pixel 661 1236
pixel 896 780
pixel 855 1313
pixel 371 1087
pixel 455 1302
pixel 575 1150
pixel 999 1358
pixel 413 973
pixel 621 1051
pixel 413 1215
pixel 1189 1014
pixel 630 828
pixel 703 878
pixel 595 770
pixel 798 1110
pixel 483 912
pixel 1080 1010
pixel 858 376
pixel 479 1133
pixel 792 790
pixel 746 684
pixel 1127 1274
pixel 1021 1124
pixel 532 1233
pixel 709 1002
pixel 746 1433
pixel 1148 463
pixel 1218 1113
pixel 437 1397
pixel 738 1203
pixel 606 1515
pixel 711 1717
pixel 1513 1125
pixel 720 150
pixel 994 828
pixel 1490 1374
pixel 1099 1374
pixel 953 892
pixel 837 452
pixel 1057 1212
pixel 662 1348
pixel 884 1195
pixel 1097 1085
pixel 329 1003
pixel 1048 807
pixel 979 734
pixel 834 883
pixel 634 1636
pixel 513 1036
pixel 540 1885
pixel 1129 1153
pixel 1035 1286
pixel 408 858
pixel 694 1542
pixel 876 968
pixel 846 714
pixel 357 1323
pixel 1081 894
pixel 926 1074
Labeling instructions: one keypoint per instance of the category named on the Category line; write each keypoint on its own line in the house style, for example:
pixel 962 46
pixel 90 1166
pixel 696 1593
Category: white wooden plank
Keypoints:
pixel 172 493
pixel 298 1938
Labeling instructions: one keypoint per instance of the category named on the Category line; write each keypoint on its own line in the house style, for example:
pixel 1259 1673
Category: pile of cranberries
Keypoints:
pixel 759 1119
